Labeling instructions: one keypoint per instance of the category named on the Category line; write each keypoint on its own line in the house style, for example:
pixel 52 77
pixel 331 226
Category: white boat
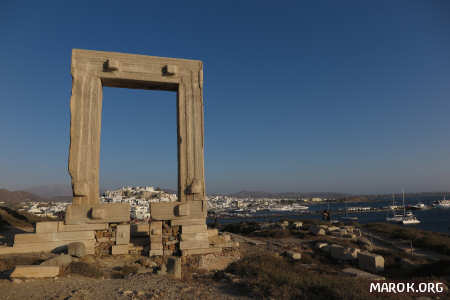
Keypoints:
pixel 410 220
pixel 442 203
pixel 299 207
pixel 282 208
pixel 419 205
pixel 407 217
pixel 395 218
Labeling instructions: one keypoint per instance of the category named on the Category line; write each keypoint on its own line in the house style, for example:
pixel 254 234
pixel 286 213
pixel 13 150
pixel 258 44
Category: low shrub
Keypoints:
pixel 266 276
pixel 9 262
pixel 243 228
pixel 84 269
pixel 435 241
pixel 272 233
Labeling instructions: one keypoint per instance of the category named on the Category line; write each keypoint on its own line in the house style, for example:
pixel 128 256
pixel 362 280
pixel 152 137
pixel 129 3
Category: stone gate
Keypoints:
pixel 176 228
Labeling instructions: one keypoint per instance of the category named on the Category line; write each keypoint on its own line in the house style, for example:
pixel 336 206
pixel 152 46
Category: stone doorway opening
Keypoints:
pixel 139 139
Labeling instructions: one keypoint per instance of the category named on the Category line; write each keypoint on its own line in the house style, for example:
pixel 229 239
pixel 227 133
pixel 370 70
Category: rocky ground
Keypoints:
pixel 136 286
pixel 277 261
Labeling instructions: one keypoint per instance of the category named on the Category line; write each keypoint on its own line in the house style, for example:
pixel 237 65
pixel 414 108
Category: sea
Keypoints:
pixel 432 219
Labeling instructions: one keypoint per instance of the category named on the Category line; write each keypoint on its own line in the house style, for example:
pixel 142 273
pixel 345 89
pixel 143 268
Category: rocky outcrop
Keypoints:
pixel 316 230
pixel 370 262
pixel 343 253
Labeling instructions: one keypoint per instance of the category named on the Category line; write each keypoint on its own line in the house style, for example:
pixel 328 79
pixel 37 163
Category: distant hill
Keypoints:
pixel 51 190
pixel 18 196
pixel 61 199
pixel 286 195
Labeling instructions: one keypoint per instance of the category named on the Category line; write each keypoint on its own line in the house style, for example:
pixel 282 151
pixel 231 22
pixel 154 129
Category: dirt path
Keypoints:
pixel 403 246
pixel 141 286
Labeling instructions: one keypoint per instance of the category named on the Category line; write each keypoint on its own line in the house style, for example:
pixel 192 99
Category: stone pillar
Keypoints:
pixel 85 124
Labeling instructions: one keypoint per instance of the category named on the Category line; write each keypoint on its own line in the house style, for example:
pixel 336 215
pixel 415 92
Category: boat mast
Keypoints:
pixel 404 207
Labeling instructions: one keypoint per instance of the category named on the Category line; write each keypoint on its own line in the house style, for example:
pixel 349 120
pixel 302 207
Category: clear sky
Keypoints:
pixel 345 96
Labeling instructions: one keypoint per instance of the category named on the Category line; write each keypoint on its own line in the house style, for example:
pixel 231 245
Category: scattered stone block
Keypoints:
pixel 156 246
pixel 342 253
pixel 284 224
pixel 168 252
pixel 213 232
pixel 123 234
pixel 365 243
pixel 156 228
pixel 82 227
pixel 332 228
pixel 111 212
pixel 334 233
pixel 201 236
pixel 370 262
pixel 46 227
pixel 183 209
pixel 336 250
pixel 293 255
pixel 187 222
pixel 348 228
pixel 226 237
pixel 62 260
pixel 350 236
pixel 297 224
pixel 213 262
pixel 194 244
pixel 317 230
pixel 168 211
pixel 193 228
pixel 162 270
pixel 119 249
pixel 174 267
pixel 44 247
pixel 35 271
pixel 155 252
pixel 326 249
pixel 76 249
pixel 25 238
pixel 321 245
pixel 140 230
pixel 157 239
pixel 342 232
pixel 147 262
pixel 187 252
pixel 100 213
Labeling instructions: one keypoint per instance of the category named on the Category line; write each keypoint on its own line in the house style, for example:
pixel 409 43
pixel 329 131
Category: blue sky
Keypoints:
pixel 345 96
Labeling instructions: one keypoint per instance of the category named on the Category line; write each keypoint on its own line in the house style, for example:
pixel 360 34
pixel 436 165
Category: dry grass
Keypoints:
pixel 8 263
pixel 266 276
pixel 14 218
pixel 438 242
pixel 84 269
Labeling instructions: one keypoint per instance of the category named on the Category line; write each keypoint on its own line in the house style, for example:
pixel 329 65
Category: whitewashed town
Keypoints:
pixel 139 198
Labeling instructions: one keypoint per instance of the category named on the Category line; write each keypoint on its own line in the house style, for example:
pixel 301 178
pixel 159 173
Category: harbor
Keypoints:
pixel 431 218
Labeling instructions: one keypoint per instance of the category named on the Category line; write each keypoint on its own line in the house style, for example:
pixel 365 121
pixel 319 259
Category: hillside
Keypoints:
pixel 51 190
pixel 14 197
pixel 284 195
pixel 11 218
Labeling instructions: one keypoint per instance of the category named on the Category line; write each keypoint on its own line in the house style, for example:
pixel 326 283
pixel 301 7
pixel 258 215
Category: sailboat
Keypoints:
pixel 396 218
pixel 408 217
pixel 442 203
